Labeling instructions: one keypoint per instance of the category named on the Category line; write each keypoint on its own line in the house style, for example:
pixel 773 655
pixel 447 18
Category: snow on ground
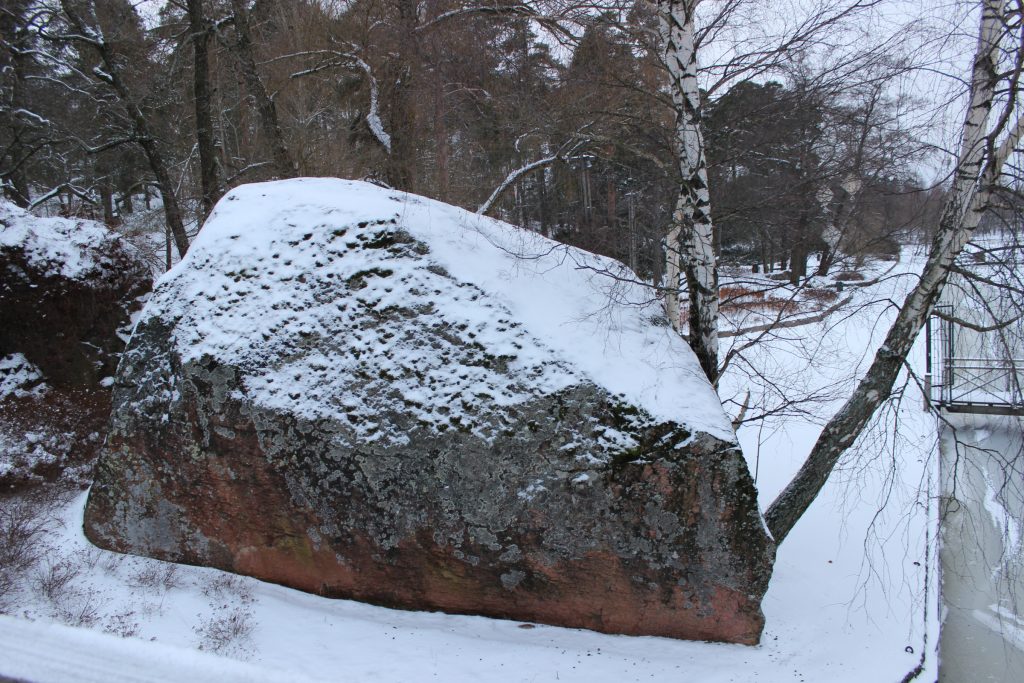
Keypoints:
pixel 808 635
pixel 19 377
pixel 847 601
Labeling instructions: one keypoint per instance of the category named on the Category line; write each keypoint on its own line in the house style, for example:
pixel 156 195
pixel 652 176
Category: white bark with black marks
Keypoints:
pixel 984 148
pixel 690 243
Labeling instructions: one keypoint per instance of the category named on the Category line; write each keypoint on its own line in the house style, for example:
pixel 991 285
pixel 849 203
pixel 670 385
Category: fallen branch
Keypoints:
pixel 975 326
pixel 564 154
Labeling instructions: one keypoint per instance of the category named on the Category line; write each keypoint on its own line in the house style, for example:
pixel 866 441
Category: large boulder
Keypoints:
pixel 66 288
pixel 67 292
pixel 371 395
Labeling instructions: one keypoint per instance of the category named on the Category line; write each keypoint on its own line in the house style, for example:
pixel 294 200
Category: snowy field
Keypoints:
pixel 853 597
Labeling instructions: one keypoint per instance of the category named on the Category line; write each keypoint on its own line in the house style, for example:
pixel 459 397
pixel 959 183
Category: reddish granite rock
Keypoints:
pixel 325 396
pixel 67 290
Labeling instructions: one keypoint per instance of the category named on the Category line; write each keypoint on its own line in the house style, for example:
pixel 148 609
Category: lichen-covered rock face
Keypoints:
pixel 370 395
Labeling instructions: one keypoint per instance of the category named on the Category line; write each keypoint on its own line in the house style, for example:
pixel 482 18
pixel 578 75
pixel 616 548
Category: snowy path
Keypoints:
pixel 45 653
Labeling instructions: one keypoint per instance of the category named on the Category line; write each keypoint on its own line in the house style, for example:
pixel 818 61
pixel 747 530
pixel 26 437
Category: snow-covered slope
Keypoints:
pixel 53 653
pixel 576 312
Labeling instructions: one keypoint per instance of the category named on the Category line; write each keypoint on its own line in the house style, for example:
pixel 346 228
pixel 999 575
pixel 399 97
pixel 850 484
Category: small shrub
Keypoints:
pixel 154 575
pixel 229 587
pixel 145 576
pixel 122 624
pixel 225 631
pixel 169 577
pixel 89 557
pixel 111 562
pixel 25 520
pixel 53 578
pixel 77 608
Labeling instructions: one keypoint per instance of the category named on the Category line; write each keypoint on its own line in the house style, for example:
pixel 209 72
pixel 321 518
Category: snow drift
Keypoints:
pixel 368 394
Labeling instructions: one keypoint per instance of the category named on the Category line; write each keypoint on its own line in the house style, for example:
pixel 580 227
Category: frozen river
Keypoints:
pixel 982 637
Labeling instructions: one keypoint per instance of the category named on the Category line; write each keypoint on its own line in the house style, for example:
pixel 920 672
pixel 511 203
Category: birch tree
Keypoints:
pixel 992 130
pixel 690 241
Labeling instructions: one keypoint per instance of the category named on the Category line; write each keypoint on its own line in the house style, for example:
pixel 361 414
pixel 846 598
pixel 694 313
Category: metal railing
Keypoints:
pixel 970 370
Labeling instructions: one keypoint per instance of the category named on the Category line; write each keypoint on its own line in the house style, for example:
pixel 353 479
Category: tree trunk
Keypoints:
pixel 12 30
pixel 172 212
pixel 126 188
pixel 107 199
pixel 401 169
pixel 140 125
pixel 542 199
pixel 208 174
pixel 979 167
pixel 441 148
pixel 266 111
pixel 691 240
pixel 798 251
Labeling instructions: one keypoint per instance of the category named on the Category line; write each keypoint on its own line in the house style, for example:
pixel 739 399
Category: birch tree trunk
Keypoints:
pixel 690 242
pixel 984 148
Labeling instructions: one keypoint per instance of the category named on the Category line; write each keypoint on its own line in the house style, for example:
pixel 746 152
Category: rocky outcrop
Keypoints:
pixel 369 395
pixel 67 290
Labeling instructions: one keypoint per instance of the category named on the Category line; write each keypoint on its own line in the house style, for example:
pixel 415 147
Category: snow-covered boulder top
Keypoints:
pixel 75 249
pixel 367 394
pixel 281 264
pixel 66 288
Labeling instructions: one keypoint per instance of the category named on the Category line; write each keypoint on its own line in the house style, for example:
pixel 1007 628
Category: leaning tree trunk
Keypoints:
pixel 266 111
pixel 691 240
pixel 208 175
pixel 978 170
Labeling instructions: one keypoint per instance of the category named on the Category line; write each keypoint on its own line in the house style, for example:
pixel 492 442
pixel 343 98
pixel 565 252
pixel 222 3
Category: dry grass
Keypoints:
pixel 735 292
pixel 821 296
pixel 740 299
